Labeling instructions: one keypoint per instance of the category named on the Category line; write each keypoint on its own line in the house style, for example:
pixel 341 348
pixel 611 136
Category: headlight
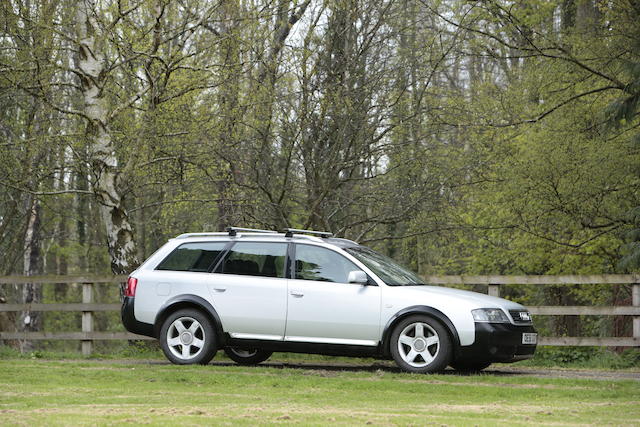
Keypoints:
pixel 493 315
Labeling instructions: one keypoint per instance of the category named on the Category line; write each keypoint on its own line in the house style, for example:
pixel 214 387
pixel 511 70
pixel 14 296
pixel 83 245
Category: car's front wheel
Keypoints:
pixel 421 344
pixel 187 337
pixel 247 357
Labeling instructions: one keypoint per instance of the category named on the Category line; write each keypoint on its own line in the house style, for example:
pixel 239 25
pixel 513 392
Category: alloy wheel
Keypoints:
pixel 185 338
pixel 418 344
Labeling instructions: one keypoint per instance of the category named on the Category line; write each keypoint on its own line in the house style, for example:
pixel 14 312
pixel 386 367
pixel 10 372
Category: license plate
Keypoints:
pixel 529 338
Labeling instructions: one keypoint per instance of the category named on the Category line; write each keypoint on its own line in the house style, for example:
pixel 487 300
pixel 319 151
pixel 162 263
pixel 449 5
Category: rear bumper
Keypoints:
pixel 497 342
pixel 129 319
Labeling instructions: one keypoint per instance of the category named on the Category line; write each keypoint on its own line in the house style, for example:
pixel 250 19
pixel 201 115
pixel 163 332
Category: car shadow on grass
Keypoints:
pixel 375 367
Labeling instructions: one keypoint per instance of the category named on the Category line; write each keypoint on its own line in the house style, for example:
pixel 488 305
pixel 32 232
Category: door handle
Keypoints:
pixel 297 294
pixel 219 289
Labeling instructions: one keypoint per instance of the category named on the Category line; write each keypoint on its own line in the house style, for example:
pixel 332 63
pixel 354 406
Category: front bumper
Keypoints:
pixel 497 342
pixel 129 319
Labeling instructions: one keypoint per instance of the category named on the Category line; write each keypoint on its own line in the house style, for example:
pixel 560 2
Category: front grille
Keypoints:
pixel 520 316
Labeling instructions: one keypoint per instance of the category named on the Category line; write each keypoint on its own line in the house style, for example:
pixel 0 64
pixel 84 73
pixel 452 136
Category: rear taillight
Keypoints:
pixel 130 290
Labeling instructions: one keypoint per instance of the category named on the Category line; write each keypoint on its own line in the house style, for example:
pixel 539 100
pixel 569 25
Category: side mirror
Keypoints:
pixel 358 276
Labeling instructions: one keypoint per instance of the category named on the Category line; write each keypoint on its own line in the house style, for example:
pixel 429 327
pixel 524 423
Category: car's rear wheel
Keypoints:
pixel 470 366
pixel 247 356
pixel 421 344
pixel 187 337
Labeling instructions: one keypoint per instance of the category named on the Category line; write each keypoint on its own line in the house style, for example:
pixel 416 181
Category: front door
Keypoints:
pixel 322 307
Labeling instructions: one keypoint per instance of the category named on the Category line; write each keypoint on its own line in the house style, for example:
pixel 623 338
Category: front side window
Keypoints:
pixel 192 257
pixel 318 263
pixel 256 259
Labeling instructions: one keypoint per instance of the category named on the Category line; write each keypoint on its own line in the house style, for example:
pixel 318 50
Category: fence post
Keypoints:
pixel 635 301
pixel 87 318
pixel 493 290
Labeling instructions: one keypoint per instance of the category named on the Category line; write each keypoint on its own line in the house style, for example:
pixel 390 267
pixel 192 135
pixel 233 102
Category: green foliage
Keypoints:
pixel 585 357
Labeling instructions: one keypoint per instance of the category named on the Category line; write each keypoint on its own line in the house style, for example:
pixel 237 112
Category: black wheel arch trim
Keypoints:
pixel 191 301
pixel 419 309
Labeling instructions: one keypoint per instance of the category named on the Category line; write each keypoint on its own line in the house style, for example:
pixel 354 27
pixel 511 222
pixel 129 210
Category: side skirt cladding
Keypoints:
pixel 419 309
pixel 190 301
pixel 306 348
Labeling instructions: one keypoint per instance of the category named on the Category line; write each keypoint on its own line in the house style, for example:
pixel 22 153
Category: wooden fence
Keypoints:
pixel 88 307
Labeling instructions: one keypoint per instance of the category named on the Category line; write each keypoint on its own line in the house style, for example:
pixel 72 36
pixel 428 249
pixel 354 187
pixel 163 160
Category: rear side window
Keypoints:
pixel 192 257
pixel 256 259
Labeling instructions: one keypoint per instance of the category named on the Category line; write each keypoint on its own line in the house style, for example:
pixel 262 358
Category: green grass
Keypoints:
pixel 81 392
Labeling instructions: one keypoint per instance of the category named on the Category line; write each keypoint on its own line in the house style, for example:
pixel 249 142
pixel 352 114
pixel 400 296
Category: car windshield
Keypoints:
pixel 385 268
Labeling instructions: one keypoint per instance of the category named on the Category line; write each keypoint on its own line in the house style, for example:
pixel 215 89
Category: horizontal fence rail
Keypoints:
pixel 493 283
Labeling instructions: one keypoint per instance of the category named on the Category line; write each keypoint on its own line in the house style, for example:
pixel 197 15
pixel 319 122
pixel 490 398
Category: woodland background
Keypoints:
pixel 459 137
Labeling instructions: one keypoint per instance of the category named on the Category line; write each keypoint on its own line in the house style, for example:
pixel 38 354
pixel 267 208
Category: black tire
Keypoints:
pixel 470 366
pixel 432 348
pixel 247 357
pixel 187 337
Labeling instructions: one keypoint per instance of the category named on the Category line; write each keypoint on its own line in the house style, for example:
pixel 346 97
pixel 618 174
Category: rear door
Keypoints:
pixel 249 290
pixel 323 308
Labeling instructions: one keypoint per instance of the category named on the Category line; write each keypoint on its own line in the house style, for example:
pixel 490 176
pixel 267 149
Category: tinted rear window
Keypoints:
pixel 192 257
pixel 256 259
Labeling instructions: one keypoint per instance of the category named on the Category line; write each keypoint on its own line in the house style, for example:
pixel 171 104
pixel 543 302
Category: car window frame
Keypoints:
pixel 214 267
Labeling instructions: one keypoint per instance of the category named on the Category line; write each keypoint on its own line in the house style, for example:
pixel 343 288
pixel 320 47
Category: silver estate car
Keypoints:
pixel 252 292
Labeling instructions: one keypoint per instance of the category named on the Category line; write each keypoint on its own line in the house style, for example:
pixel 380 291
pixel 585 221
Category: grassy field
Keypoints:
pixel 93 392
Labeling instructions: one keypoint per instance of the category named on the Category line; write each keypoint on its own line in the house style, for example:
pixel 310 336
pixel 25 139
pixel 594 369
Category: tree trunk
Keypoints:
pixel 588 16
pixel 30 292
pixel 229 93
pixel 92 71
pixel 82 214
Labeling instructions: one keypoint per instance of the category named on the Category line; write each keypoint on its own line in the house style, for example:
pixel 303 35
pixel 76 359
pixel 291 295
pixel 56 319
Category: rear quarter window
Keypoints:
pixel 197 257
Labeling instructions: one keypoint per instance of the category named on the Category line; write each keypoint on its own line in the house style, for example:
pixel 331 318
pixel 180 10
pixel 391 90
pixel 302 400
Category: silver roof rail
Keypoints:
pixel 289 232
pixel 213 233
pixel 234 230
